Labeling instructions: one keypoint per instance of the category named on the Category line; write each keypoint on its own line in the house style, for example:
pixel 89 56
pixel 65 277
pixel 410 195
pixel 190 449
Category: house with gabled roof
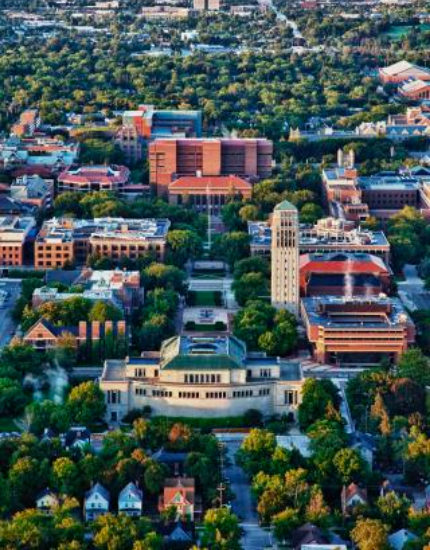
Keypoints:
pixel 130 500
pixel 96 502
pixel 353 496
pixel 47 500
pixel 180 492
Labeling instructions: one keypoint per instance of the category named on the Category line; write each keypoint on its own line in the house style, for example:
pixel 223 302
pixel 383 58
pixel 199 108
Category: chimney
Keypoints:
pixel 95 330
pixel 82 331
pixel 340 158
pixel 351 159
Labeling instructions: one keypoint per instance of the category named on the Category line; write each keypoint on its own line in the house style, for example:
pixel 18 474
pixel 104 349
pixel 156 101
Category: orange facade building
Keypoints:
pixel 170 159
pixel 15 233
pixel 66 240
pixel 357 331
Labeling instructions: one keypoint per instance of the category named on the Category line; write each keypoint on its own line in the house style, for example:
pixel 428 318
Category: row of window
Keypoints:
pixel 202 378
pixel 196 395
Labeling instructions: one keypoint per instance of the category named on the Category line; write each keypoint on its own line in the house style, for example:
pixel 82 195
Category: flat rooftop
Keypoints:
pixel 355 312
pixel 261 235
pixel 391 183
pixel 63 230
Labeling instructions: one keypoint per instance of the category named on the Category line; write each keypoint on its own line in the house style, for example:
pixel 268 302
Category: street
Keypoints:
pixel 254 538
pixel 7 324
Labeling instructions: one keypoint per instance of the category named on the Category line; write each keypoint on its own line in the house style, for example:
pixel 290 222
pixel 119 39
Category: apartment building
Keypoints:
pixel 65 240
pixel 15 233
pixel 207 5
pixel 170 159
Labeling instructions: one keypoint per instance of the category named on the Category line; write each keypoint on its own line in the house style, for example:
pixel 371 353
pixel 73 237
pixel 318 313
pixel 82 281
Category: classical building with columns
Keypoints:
pixel 205 377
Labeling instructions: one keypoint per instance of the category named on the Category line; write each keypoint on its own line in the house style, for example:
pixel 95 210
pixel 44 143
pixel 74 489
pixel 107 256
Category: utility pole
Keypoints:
pixel 208 204
pixel 221 486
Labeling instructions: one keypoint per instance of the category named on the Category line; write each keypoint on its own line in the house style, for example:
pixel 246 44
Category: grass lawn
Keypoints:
pixel 205 298
pixel 7 424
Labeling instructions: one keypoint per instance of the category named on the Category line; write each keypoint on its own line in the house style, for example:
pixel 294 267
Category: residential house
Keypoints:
pixel 180 492
pixel 400 538
pixel 173 460
pixel 353 496
pixel 307 534
pixel 47 500
pixel 76 437
pixel 43 335
pixel 130 500
pixel 96 502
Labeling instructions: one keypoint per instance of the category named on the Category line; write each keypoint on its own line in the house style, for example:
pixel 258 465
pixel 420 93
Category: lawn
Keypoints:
pixel 204 298
pixel 396 32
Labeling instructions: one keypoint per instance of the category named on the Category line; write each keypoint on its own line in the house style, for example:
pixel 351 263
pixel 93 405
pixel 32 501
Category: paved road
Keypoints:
pixel 254 538
pixel 411 291
pixel 7 324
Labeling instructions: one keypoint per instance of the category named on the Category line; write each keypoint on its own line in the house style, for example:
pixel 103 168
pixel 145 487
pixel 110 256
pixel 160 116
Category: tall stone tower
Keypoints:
pixel 285 257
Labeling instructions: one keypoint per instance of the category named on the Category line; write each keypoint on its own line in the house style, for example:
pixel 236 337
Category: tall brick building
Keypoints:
pixel 170 159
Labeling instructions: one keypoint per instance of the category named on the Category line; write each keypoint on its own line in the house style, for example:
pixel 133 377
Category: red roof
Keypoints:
pixel 95 174
pixel 204 183
pixel 370 264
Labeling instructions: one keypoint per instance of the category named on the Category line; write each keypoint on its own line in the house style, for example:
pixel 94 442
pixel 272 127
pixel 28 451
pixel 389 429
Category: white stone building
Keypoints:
pixel 205 377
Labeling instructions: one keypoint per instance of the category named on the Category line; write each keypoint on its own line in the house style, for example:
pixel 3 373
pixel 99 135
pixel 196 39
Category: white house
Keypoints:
pixel 130 500
pixel 398 540
pixel 47 500
pixel 96 502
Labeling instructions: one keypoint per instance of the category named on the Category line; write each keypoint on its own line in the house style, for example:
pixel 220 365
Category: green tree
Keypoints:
pixel 221 530
pixel 231 247
pixel 64 475
pixel 285 523
pixel 154 476
pixel 414 365
pixel 104 311
pixel 86 403
pixel 349 465
pixel 316 395
pixel 370 534
pixel 12 397
pixel 183 245
pixel 251 286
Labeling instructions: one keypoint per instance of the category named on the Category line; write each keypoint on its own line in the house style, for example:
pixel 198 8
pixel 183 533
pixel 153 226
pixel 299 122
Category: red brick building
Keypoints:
pixel 43 335
pixel 170 159
pixel 199 191
pixel 403 71
pixel 357 332
pixel 94 178
pixel 339 274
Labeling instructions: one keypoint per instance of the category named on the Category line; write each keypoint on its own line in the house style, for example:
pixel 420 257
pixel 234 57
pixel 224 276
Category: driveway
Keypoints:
pixel 244 505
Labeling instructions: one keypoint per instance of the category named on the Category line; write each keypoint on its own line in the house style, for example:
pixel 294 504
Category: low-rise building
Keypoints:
pixel 154 13
pixel 96 502
pixel 37 153
pixel 33 191
pixel 180 492
pixel 387 193
pixel 415 90
pixel 413 123
pixel 120 288
pixel 15 233
pixel 352 496
pixel 65 240
pixel 130 500
pixel 326 236
pixel 43 335
pixel 342 274
pixel 208 377
pixel 86 179
pixel 403 71
pixel 205 193
pixel 47 500
pixel 357 331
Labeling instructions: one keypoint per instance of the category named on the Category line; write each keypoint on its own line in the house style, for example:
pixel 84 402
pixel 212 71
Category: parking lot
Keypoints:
pixel 10 291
